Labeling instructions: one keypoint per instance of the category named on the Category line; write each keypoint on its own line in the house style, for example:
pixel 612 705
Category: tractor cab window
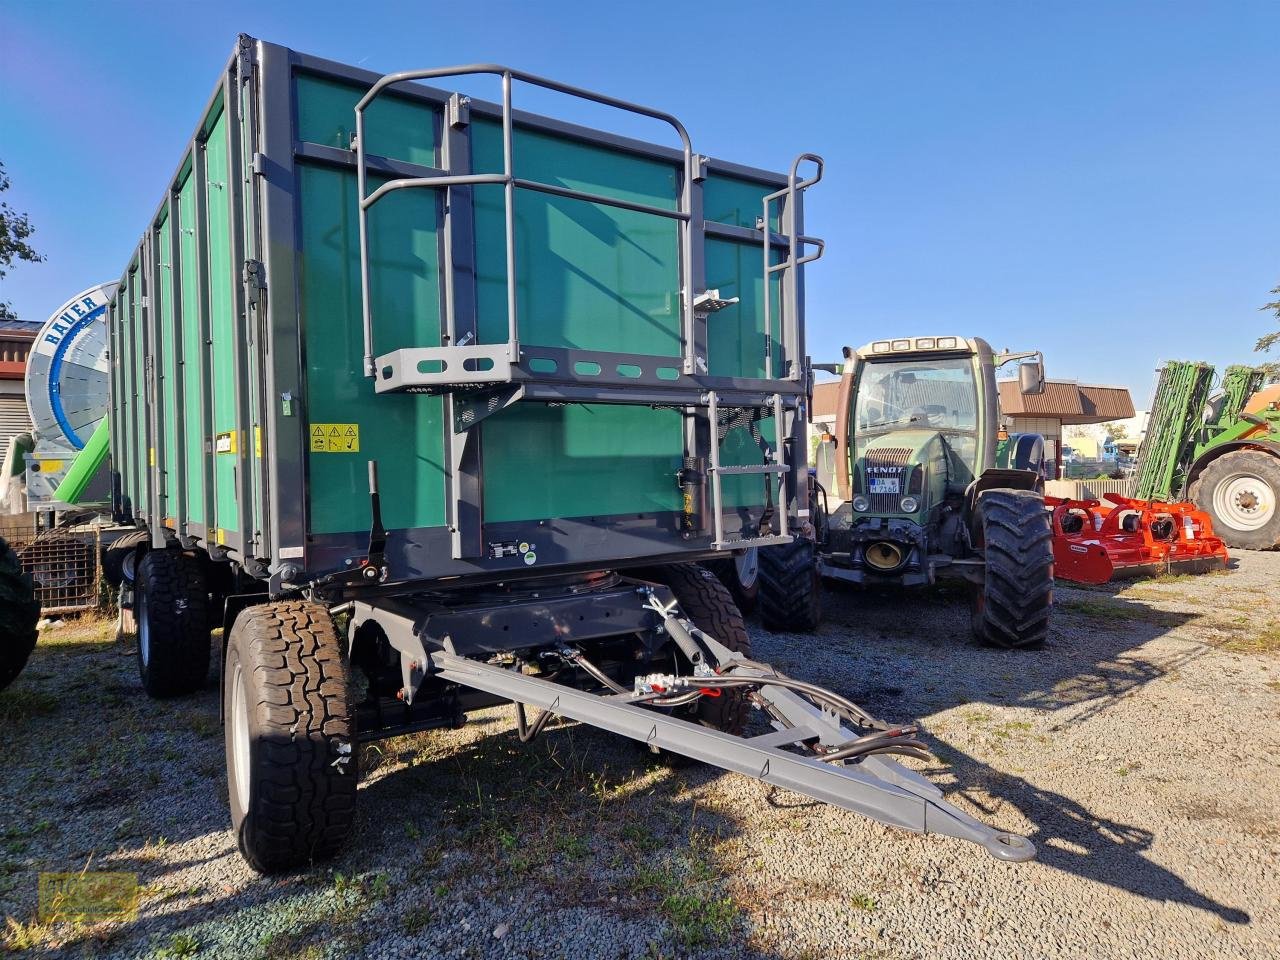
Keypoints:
pixel 924 393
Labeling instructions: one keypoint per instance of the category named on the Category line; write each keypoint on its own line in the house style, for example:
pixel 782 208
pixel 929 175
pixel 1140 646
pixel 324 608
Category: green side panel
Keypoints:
pixel 737 202
pixel 192 352
pixel 736 341
pixel 121 354
pixel 590 277
pixel 167 458
pixel 141 402
pixel 580 461
pixel 403 432
pixel 394 127
pixel 86 464
pixel 222 275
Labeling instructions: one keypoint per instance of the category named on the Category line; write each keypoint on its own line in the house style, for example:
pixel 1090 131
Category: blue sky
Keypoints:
pixel 1100 180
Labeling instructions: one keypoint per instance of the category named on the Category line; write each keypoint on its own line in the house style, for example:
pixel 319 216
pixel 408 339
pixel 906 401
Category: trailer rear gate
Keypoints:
pixel 241 417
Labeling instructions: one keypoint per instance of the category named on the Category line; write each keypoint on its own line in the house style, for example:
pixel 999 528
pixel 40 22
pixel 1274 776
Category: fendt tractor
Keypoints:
pixel 435 405
pixel 930 486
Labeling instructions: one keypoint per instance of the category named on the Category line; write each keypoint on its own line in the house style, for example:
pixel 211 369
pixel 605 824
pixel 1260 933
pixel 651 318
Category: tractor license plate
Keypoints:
pixel 884 485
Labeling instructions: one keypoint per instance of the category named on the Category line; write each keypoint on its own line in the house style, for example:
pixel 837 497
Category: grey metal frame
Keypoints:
pixel 873 786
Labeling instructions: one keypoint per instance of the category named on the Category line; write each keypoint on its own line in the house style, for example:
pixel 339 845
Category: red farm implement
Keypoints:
pixel 1095 541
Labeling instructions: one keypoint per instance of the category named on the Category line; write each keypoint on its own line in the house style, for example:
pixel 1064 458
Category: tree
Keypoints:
pixel 1269 339
pixel 15 229
pixel 1116 431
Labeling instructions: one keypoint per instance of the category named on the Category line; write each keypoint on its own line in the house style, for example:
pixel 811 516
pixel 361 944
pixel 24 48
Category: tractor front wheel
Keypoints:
pixel 790 587
pixel 19 614
pixel 1011 606
pixel 290 736
pixel 1239 491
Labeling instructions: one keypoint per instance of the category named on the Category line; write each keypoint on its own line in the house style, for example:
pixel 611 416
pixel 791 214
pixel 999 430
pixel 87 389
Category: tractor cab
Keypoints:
pixel 919 438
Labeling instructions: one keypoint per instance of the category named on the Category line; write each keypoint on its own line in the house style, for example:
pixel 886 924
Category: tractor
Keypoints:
pixel 930 486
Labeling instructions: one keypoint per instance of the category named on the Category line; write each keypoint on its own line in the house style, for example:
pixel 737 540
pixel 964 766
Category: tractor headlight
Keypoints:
pixel 861 504
pixel 910 504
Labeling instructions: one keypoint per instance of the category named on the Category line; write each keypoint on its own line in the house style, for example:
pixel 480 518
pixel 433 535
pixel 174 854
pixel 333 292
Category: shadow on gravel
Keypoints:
pixel 920 660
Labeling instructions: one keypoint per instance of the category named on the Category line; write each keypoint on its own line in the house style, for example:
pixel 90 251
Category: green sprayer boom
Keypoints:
pixel 1176 411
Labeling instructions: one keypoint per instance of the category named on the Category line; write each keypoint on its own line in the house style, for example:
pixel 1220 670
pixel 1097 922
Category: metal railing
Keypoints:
pixel 510 183
pixel 795 243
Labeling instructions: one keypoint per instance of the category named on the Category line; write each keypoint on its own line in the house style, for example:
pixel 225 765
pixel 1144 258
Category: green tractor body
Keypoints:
pixel 930 485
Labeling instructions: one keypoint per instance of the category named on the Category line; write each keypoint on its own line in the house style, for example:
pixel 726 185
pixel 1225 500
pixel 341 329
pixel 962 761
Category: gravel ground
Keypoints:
pixel 1140 751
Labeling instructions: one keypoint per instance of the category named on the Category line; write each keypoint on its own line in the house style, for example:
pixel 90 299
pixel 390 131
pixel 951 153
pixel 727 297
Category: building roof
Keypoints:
pixel 1067 401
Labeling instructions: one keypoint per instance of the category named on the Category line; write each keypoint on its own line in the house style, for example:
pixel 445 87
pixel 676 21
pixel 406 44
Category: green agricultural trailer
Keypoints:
pixel 433 404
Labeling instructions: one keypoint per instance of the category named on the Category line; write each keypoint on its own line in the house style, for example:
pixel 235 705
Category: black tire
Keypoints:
pixel 19 614
pixel 741 575
pixel 790 587
pixel 1257 476
pixel 292 785
pixel 171 609
pixel 118 551
pixel 1014 532
pixel 707 602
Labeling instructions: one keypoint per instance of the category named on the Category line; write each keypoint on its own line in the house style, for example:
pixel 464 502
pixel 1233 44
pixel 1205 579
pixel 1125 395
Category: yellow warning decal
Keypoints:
pixel 153 457
pixel 222 537
pixel 224 443
pixel 335 438
pixel 257 441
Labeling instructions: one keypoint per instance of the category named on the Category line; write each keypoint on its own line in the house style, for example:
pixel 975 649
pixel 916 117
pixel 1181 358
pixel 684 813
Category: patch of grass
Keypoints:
pixel 573 846
pixel 700 921
pixel 1263 640
pixel 22 703
pixel 863 901
pixel 19 937
pixel 416 919
pixel 203 724
pixel 181 945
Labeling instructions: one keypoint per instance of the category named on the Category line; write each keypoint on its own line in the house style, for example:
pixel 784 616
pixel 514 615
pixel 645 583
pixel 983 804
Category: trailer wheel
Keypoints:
pixel 1239 491
pixel 291 763
pixel 170 609
pixel 1011 607
pixel 119 558
pixel 741 574
pixel 19 614
pixel 790 587
pixel 707 602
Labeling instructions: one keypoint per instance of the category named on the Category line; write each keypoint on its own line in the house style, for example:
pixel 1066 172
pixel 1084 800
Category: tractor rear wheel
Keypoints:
pixel 790 587
pixel 19 614
pixel 1239 491
pixel 1011 607
pixel 290 736
pixel 170 608
pixel 741 574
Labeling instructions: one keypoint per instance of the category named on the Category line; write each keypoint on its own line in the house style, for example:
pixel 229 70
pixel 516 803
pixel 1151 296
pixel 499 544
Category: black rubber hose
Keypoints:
pixel 525 731
pixel 599 674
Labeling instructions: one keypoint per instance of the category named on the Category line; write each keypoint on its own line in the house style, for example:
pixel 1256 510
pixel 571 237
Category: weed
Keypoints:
pixel 380 886
pixel 20 936
pixel 23 703
pixel 699 921
pixel 416 919
pixel 1264 640
pixel 862 901
pixel 412 830
pixel 573 846
pixel 181 945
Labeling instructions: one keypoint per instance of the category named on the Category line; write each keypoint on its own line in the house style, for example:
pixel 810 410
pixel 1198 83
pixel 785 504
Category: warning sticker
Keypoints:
pixel 224 443
pixel 335 438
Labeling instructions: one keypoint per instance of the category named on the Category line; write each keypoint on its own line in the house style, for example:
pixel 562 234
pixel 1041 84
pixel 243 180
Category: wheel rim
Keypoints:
pixel 239 739
pixel 144 628
pixel 747 566
pixel 1244 501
